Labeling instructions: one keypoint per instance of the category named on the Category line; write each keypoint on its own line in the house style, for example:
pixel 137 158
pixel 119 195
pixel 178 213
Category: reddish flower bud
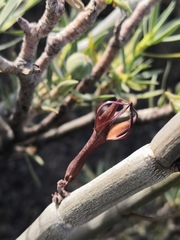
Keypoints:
pixel 105 129
pixel 105 122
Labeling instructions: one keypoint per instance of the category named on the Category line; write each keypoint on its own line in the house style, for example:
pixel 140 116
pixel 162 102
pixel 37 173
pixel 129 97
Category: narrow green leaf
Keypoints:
pixel 146 82
pixel 89 173
pixel 108 1
pixel 172 38
pixel 73 48
pixel 136 86
pixel 91 49
pixel 145 25
pixel 55 68
pixel 123 57
pixel 166 74
pixel 38 159
pixel 166 31
pixel 92 97
pixel 150 73
pixel 16 12
pixel 64 20
pixel 49 76
pixel 151 89
pixel 123 5
pixel 153 17
pixel 10 44
pixel 49 109
pixel 149 94
pixel 66 86
pixel 166 55
pixel 125 87
pixel 163 17
pixel 8 10
pixel 174 100
pixel 2 3
pixel 32 172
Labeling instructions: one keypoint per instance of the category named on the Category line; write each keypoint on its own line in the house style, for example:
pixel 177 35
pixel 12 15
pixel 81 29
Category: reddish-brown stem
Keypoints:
pixel 77 163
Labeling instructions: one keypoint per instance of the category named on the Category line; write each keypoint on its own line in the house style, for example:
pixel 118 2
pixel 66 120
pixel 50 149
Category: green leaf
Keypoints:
pixel 2 3
pixel 56 69
pixel 123 5
pixel 38 159
pixel 108 1
pixel 149 94
pixel 49 76
pixel 174 100
pixel 92 97
pixel 49 109
pixel 150 73
pixel 73 48
pixel 166 31
pixel 8 10
pixel 64 20
pixel 123 60
pixel 66 86
pixel 10 44
pixel 91 49
pixel 125 87
pixel 136 86
pixel 151 89
pixel 32 172
pixel 88 172
pixel 13 10
pixel 172 38
pixel 146 82
pixel 163 17
pixel 165 55
pixel 153 17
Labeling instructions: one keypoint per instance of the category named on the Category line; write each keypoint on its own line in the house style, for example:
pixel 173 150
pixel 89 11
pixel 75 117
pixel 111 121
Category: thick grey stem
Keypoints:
pixel 166 143
pixel 135 173
pixel 140 170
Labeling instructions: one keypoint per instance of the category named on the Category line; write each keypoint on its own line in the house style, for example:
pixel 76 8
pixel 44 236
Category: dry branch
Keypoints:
pixel 144 115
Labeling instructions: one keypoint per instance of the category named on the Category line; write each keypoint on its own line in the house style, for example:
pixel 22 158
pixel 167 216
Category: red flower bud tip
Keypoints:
pixel 105 121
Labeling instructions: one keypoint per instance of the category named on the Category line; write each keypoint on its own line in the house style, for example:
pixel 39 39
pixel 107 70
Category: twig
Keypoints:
pixel 8 66
pixel 62 130
pixel 74 30
pixel 155 218
pixel 144 115
pixel 34 32
pixel 29 74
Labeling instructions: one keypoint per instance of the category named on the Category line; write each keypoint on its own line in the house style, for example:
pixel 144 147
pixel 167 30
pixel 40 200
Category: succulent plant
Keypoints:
pixel 79 65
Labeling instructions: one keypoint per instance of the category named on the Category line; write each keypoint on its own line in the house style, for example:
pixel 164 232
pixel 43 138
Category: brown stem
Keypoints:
pixel 77 163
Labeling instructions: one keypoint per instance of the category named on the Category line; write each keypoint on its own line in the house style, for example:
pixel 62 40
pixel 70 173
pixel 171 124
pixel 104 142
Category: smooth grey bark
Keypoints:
pixel 140 170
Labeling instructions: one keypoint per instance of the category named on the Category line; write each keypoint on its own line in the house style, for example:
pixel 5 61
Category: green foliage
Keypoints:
pixel 131 75
pixel 123 5
pixel 10 10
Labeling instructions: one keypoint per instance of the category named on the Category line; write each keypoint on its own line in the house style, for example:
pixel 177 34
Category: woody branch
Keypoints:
pixel 29 73
pixel 119 39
